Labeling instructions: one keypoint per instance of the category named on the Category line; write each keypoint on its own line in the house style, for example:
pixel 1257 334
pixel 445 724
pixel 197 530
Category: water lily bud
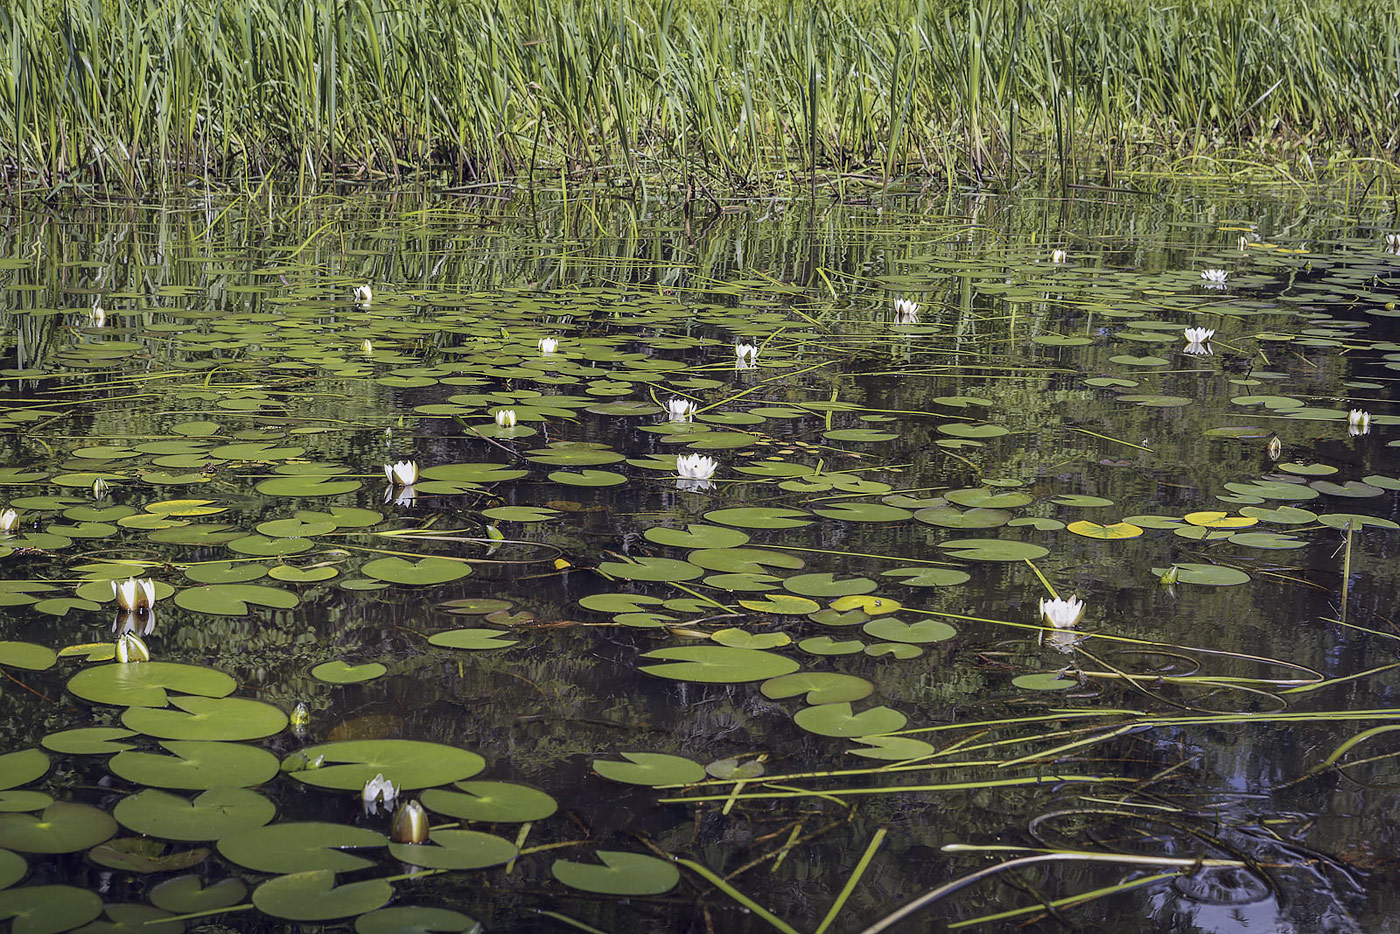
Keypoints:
pixel 1275 448
pixel 1170 576
pixel 99 488
pixel 300 717
pixel 410 824
pixel 130 648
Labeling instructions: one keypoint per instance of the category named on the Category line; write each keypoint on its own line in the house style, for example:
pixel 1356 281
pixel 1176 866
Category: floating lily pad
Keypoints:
pixel 633 874
pixel 314 896
pixel 456 849
pixel 296 845
pixel 188 894
pixel 61 828
pixel 142 855
pixel 826 645
pixel 928 577
pixel 820 687
pixel 993 549
pixel 196 765
pixel 782 604
pixel 473 639
pixel 426 572
pixel 760 517
pixel 838 719
pixel 48 909
pixel 88 741
pixel 740 639
pixel 145 684
pixel 826 585
pixel 233 599
pixel 409 764
pixel 1115 532
pixel 1342 520
pixel 219 718
pixel 1047 681
pixel 412 919
pixel 651 569
pixel 697 536
pixel 717 664
pixel 216 813
pixel 491 802
pixel 651 768
pixel 892 629
pixel 22 767
pixel 340 672
pixel 1210 575
pixel 891 748
pixel 27 655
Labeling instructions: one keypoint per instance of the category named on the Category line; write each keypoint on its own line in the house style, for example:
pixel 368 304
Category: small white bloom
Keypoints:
pixel 97 317
pixel 135 594
pixel 1062 614
pixel 1058 256
pixel 99 488
pixel 696 466
pixel 363 295
pixel 549 345
pixel 141 622
pixel 1199 335
pixel 680 410
pixel 1244 243
pixel 745 356
pixel 1392 242
pixel 9 521
pixel 1359 422
pixel 130 648
pixel 367 346
pixel 1198 350
pixel 1275 448
pixel 687 485
pixel 1217 276
pixel 505 418
pixel 904 308
pixel 379 790
pixel 404 473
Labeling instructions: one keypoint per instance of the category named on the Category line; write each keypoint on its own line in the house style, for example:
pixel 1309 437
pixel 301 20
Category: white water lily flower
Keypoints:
pixel 1244 243
pixel 9 521
pixel 680 410
pixel 404 473
pixel 363 294
pixel 135 594
pixel 1058 256
pixel 1216 276
pixel 505 418
pixel 1199 335
pixel 99 488
pixel 140 622
pixel 97 317
pixel 696 466
pixel 379 790
pixel 410 824
pixel 130 648
pixel 1275 448
pixel 1358 421
pixel 905 308
pixel 745 356
pixel 367 347
pixel 549 345
pixel 1062 614
pixel 1198 350
pixel 1392 242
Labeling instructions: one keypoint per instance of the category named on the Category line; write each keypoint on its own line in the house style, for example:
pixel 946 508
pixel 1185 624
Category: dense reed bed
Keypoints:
pixel 139 93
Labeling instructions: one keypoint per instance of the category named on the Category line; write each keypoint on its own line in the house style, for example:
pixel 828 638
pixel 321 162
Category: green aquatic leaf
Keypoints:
pixel 631 874
pixel 743 560
pixel 651 768
pixel 216 813
pixel 412 919
pixel 61 828
pixel 474 639
pixel 88 741
pixel 196 765
pixel 760 517
pixel 423 573
pixel 296 845
pixel 891 748
pixel 340 672
pixel 142 855
pixel 409 764
pixel 928 577
pixel 234 599
pixel 740 639
pixel 1046 681
pixel 145 684
pixel 993 549
pixel 1211 575
pixel 899 650
pixel 1344 520
pixel 826 645
pixel 782 604
pixel 491 802
pixel 697 536
pixel 48 909
pixel 651 569
pixel 22 767
pixel 820 687
pixel 456 849
pixel 717 664
pixel 892 629
pixel 313 896
pixel 826 585
pixel 837 719
pixel 862 512
pixel 216 718
pixel 189 894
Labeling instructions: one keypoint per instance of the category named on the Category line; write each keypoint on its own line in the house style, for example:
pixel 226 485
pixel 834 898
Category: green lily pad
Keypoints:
pixel 189 894
pixel 899 650
pixel 27 655
pixel 219 718
pixel 145 684
pixel 61 828
pixel 892 629
pixel 1210 575
pixel 12 868
pixel 473 639
pixel 339 672
pixel 233 599
pixel 1343 520
pixel 1045 681
pixel 950 517
pixel 826 645
pixel 426 572
pixel 409 764
pixel 216 813
pixel 928 577
pixel 307 486
pixel 697 536
pixel 984 498
pixel 456 849
pixel 760 517
pixel 412 919
pixel 88 741
pixel 142 855
pixel 826 585
pixel 782 604
pixel 651 569
pixel 48 909
pixel 741 639
pixel 891 748
pixel 491 802
pixel 22 767
pixel 993 549
pixel 295 845
pixel 863 512
pixel 633 874
pixel 820 687
pixel 743 560
pixel 651 768
pixel 837 719
pixel 588 478
pixel 717 664
pixel 314 896
pixel 196 765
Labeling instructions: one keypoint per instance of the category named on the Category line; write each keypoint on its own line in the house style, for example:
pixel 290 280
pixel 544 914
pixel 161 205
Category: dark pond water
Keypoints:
pixel 804 675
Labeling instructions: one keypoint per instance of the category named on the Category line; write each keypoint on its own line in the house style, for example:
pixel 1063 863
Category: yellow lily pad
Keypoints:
pixel 1114 532
pixel 1220 520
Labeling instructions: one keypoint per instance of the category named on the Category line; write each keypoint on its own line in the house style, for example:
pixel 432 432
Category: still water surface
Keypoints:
pixel 896 491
